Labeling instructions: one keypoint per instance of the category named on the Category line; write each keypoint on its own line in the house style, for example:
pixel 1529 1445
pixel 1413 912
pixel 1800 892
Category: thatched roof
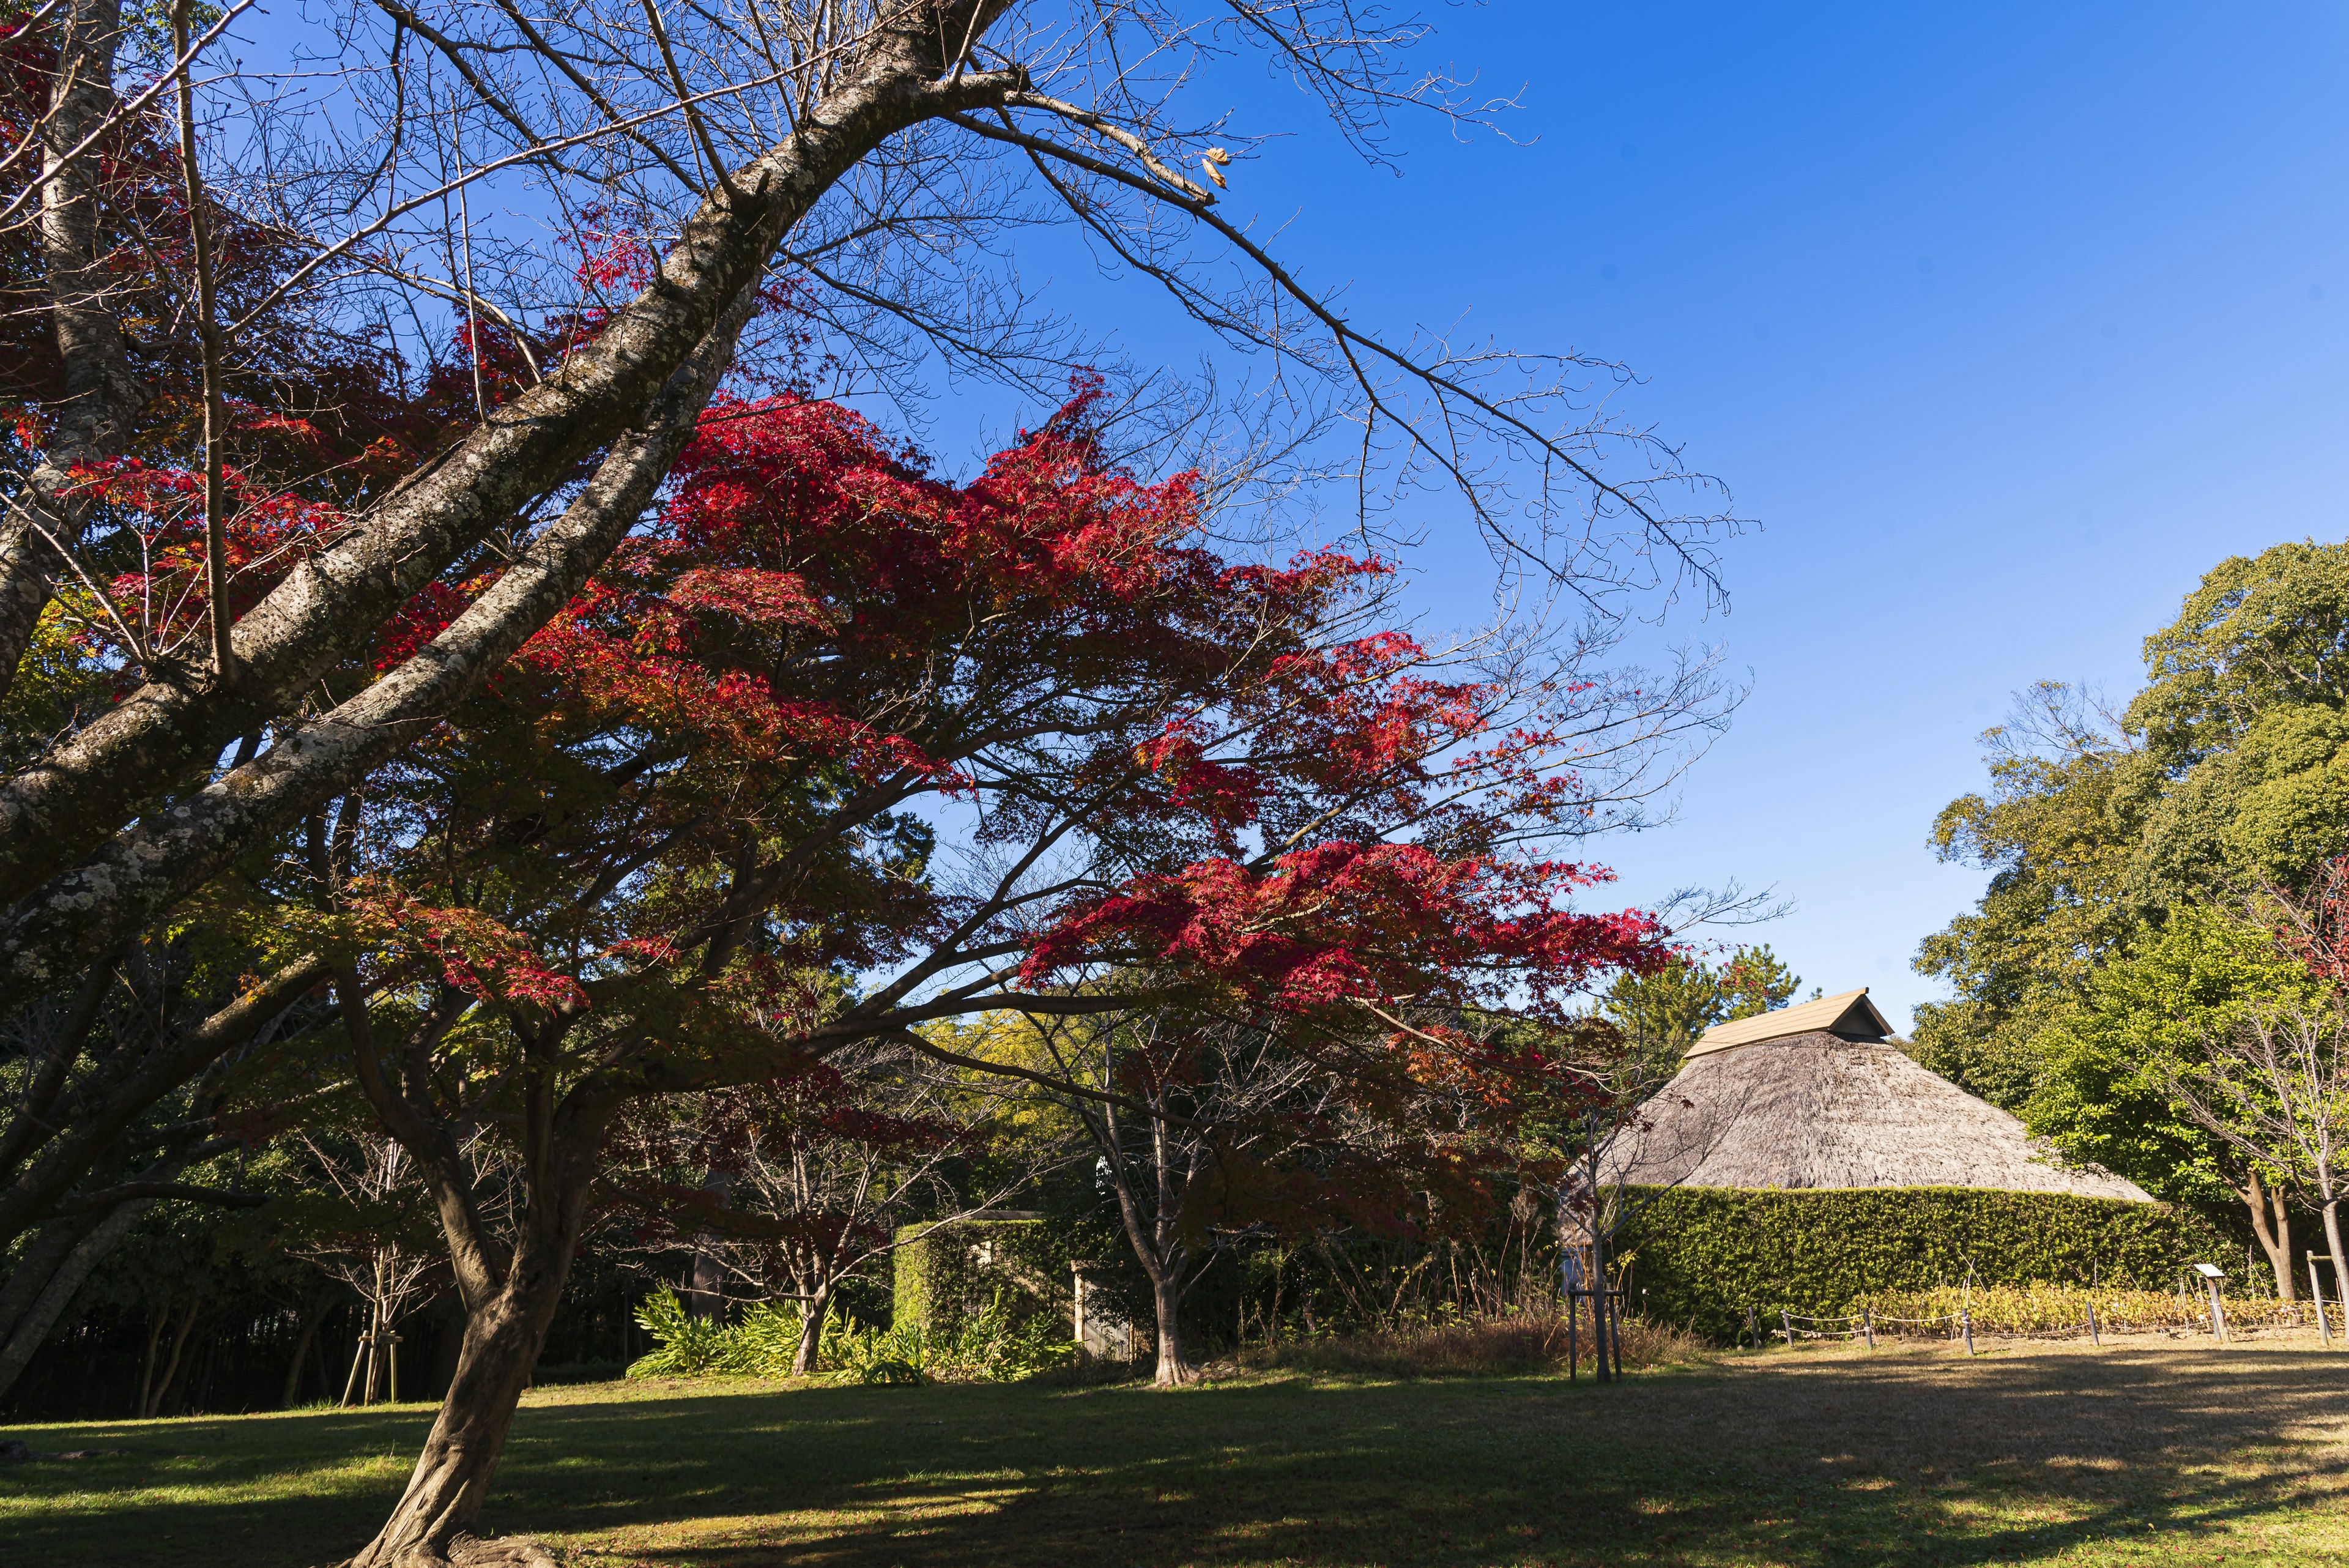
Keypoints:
pixel 1851 1015
pixel 1819 1109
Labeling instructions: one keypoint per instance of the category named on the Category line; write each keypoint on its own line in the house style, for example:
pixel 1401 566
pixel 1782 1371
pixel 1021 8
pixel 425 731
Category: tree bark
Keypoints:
pixel 1174 1368
pixel 67 807
pixel 705 1290
pixel 152 1402
pixel 503 1335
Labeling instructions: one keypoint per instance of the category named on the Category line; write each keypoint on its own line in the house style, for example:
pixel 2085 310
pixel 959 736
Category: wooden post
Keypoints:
pixel 2218 1313
pixel 1966 1322
pixel 1754 1325
pixel 1614 1327
pixel 1573 1346
pixel 2094 1338
pixel 1868 1325
pixel 2317 1290
pixel 1786 1324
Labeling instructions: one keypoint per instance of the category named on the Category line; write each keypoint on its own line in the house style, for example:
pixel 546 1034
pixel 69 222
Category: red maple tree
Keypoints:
pixel 834 749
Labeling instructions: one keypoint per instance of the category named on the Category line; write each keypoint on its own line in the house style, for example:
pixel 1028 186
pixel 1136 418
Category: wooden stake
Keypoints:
pixel 1966 1322
pixel 1868 1326
pixel 2094 1338
pixel 1788 1324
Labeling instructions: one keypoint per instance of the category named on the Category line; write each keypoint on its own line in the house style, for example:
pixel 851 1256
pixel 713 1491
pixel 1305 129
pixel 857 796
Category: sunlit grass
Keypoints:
pixel 2134 1455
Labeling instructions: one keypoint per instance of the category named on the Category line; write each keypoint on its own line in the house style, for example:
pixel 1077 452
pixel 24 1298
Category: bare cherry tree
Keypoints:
pixel 371 1254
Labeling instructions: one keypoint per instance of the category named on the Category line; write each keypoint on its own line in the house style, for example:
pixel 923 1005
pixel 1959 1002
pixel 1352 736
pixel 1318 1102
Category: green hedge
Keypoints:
pixel 956 1272
pixel 1700 1256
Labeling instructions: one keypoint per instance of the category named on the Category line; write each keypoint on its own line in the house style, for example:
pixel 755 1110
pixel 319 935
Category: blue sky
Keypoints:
pixel 2003 323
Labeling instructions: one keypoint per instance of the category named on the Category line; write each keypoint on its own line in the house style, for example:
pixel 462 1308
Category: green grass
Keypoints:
pixel 2144 1455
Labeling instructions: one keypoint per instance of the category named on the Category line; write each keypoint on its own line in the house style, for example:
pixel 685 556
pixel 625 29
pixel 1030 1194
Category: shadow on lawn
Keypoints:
pixel 1901 1460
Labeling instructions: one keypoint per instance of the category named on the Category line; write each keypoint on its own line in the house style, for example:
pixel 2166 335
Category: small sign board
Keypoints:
pixel 2211 1271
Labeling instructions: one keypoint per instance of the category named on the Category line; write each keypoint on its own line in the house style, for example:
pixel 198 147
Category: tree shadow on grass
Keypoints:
pixel 1902 1459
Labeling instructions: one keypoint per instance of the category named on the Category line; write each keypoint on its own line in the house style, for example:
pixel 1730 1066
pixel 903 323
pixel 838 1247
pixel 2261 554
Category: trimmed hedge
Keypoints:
pixel 1702 1255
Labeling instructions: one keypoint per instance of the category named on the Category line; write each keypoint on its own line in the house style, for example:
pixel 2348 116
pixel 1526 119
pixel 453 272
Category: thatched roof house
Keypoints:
pixel 1813 1097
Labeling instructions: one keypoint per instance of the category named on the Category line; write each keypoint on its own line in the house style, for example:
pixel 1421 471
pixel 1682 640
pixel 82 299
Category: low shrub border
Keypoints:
pixel 1702 1256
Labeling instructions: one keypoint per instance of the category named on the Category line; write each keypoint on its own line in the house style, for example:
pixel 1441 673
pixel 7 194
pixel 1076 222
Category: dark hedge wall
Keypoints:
pixel 1700 1256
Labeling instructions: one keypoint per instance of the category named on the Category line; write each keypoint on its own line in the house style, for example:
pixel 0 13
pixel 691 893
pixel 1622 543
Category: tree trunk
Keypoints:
pixel 452 1477
pixel 162 1387
pixel 811 1330
pixel 705 1289
pixel 2275 1235
pixel 1166 1299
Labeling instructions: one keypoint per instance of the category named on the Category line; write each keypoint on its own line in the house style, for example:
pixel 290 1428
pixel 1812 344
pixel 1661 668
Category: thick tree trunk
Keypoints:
pixel 1174 1368
pixel 819 1304
pixel 452 1479
pixel 2274 1232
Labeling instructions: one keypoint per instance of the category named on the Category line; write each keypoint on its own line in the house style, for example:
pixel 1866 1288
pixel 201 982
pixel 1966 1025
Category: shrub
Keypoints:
pixel 993 1345
pixel 1702 1256
pixel 760 1344
pixel 996 1344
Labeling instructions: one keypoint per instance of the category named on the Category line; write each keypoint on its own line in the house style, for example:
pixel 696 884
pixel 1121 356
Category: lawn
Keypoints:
pixel 2155 1454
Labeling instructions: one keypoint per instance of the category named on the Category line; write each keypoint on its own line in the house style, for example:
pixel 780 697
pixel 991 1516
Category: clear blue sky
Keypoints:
pixel 2004 323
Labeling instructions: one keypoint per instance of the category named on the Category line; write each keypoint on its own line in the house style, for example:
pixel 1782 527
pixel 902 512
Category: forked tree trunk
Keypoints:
pixel 2274 1231
pixel 151 1403
pixel 811 1330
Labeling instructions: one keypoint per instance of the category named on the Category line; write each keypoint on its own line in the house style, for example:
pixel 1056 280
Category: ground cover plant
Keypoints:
pixel 1823 1457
